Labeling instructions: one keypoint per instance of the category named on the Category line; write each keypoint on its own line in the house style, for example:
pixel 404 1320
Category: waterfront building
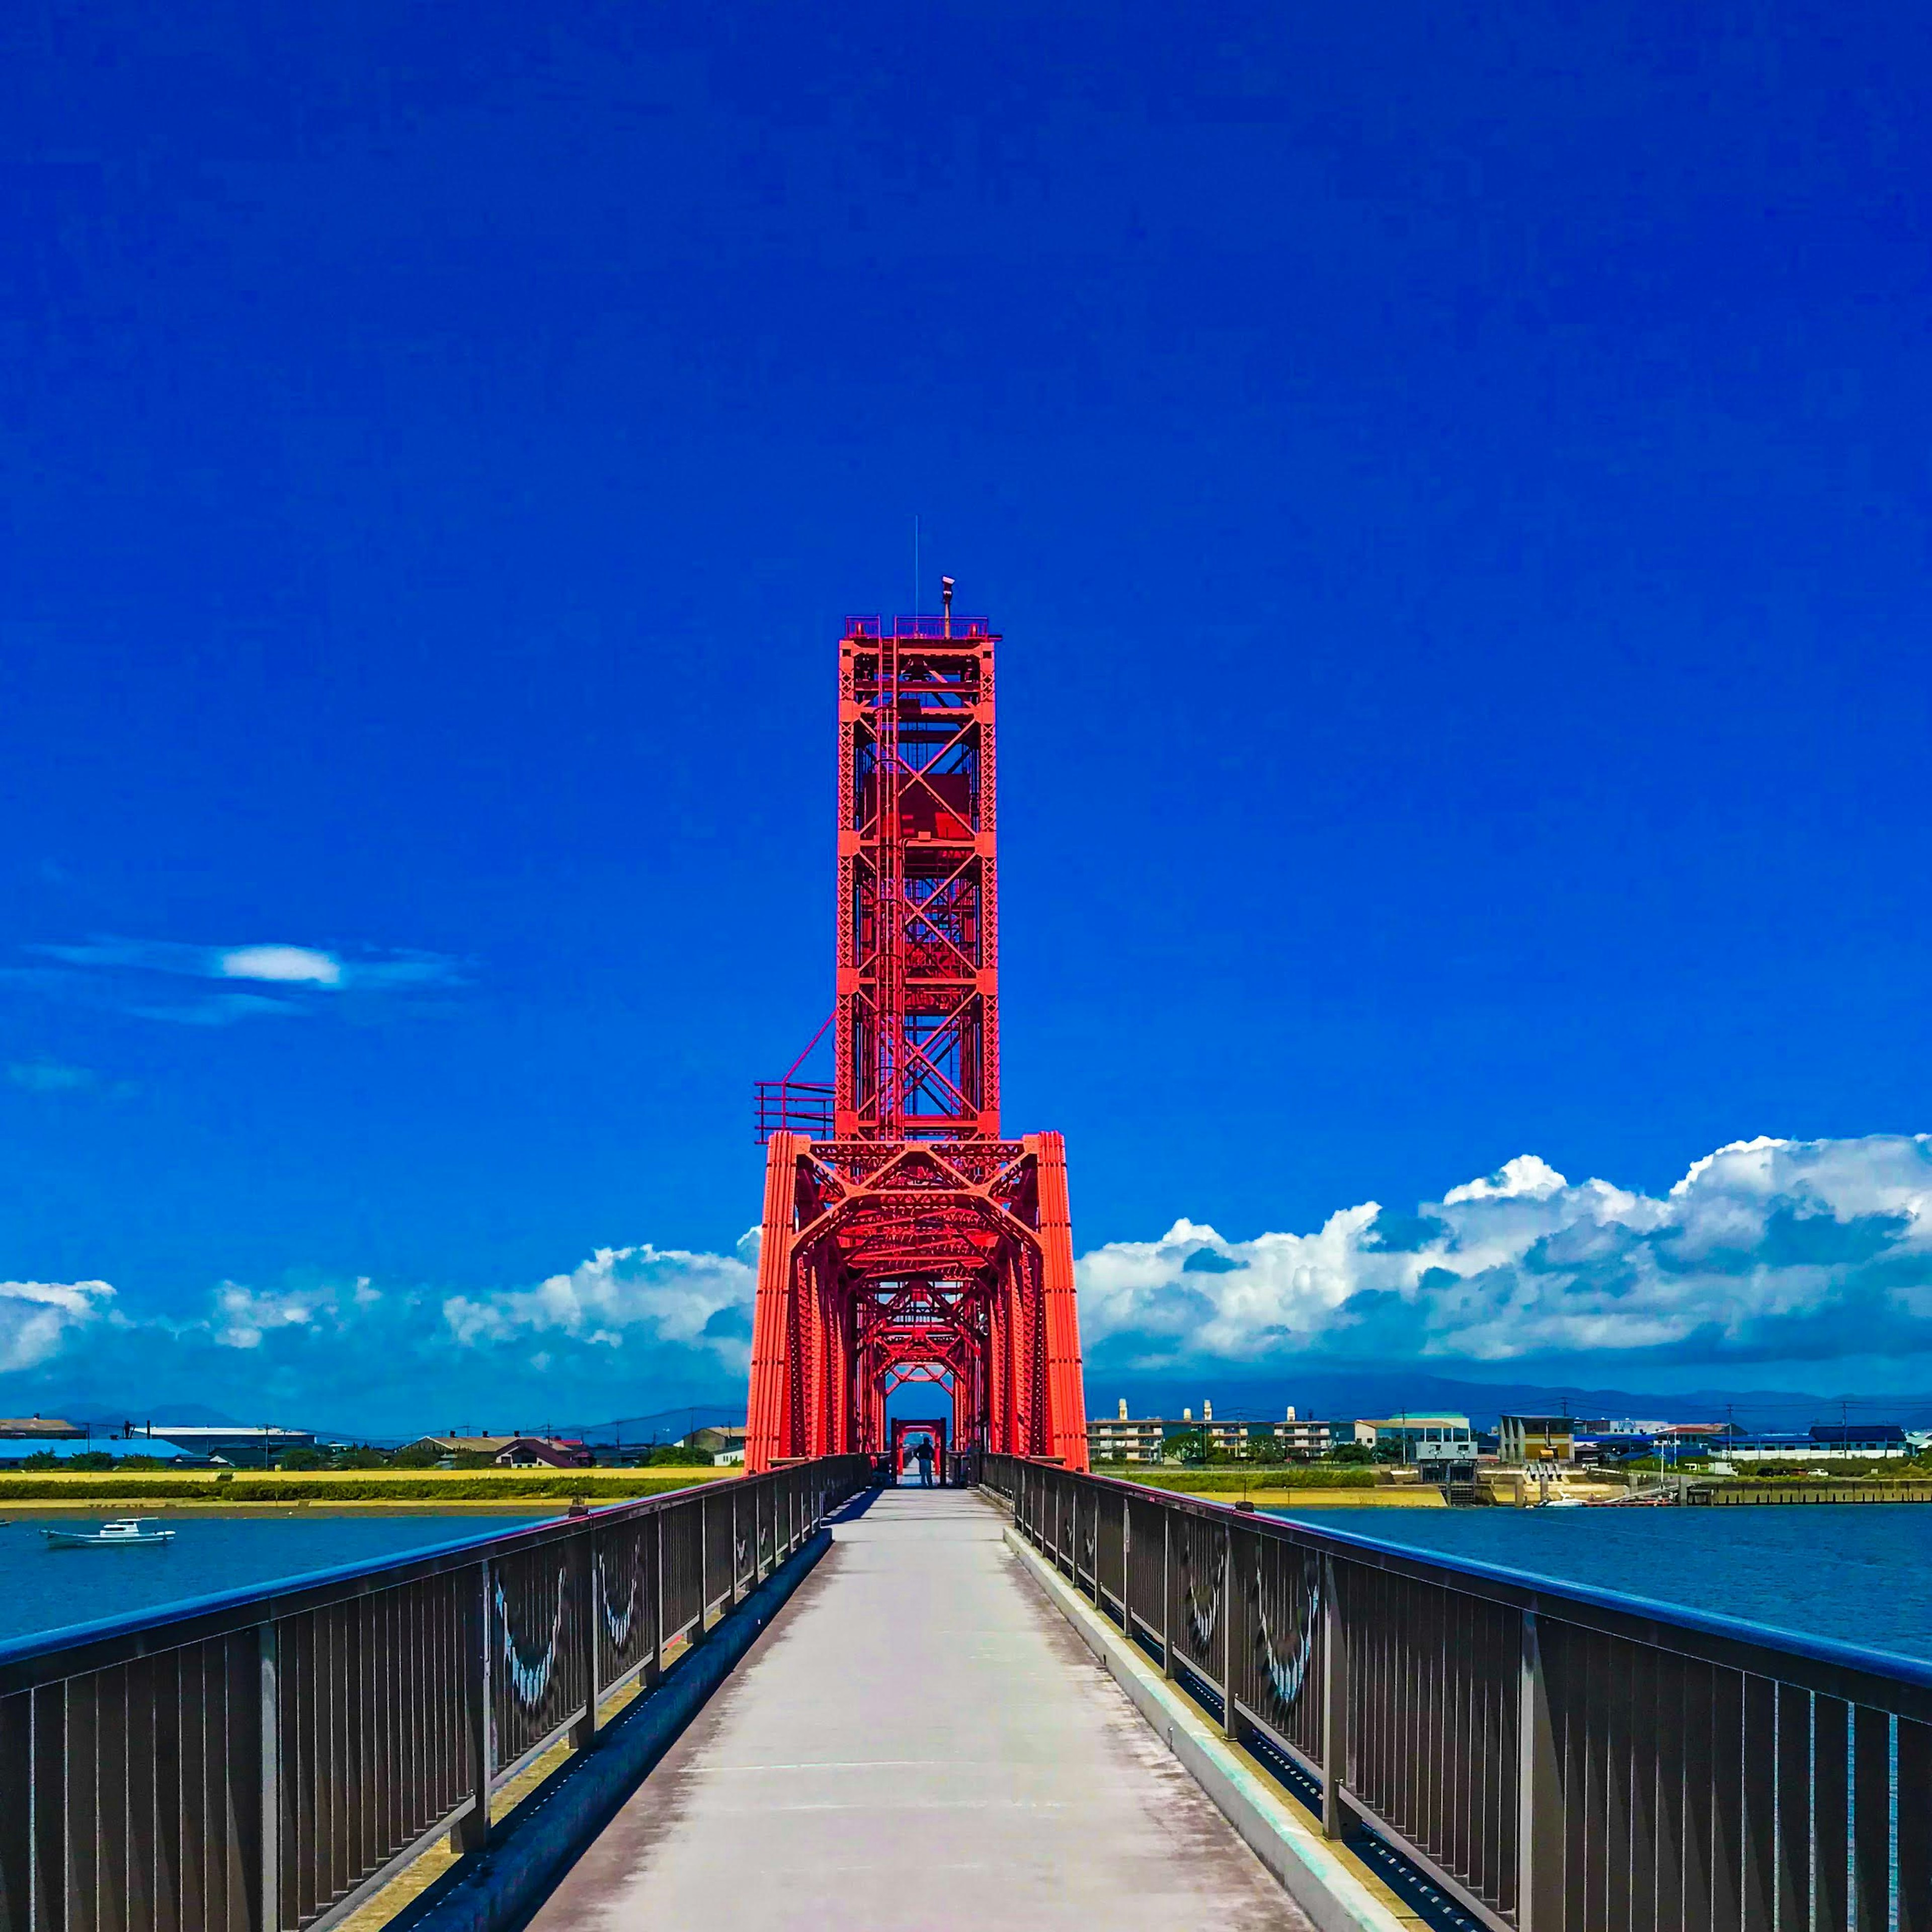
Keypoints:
pixel 1121 1437
pixel 1305 1437
pixel 225 1442
pixel 510 1452
pixel 1591 1443
pixel 722 1442
pixel 1825 1442
pixel 1861 1439
pixel 1125 1438
pixel 1537 1439
pixel 1422 1438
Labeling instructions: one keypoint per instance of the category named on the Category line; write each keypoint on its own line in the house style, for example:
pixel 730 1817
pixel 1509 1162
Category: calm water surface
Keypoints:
pixel 42 1589
pixel 1860 1573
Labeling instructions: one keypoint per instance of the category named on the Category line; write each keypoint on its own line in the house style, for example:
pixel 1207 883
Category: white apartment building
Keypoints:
pixel 1124 1438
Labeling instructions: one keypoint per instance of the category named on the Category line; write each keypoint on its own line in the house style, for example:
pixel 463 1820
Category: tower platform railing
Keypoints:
pixel 266 1760
pixel 1549 1757
pixel 925 625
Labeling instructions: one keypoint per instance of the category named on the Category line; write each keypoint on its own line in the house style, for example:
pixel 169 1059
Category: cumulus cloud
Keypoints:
pixel 1765 1252
pixel 37 1318
pixel 134 976
pixel 627 1330
pixel 1766 1249
pixel 651 1296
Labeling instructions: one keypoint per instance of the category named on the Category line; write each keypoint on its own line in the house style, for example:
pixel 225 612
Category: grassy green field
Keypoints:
pixel 410 1485
pixel 1236 1482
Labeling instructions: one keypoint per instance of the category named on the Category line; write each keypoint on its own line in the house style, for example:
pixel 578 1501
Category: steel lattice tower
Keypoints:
pixel 904 1239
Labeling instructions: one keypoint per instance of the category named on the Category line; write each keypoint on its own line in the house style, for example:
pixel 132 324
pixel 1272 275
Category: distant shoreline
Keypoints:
pixel 433 1489
pixel 532 1506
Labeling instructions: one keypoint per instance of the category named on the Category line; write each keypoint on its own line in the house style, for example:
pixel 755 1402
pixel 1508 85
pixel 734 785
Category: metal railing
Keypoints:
pixel 792 1106
pixel 265 1760
pixel 1554 1758
pixel 925 625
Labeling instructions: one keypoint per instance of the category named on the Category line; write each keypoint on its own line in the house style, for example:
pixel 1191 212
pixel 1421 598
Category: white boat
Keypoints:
pixel 126 1532
pixel 1563 1502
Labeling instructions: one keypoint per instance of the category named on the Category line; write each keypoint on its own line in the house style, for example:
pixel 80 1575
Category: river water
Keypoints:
pixel 1860 1573
pixel 42 1589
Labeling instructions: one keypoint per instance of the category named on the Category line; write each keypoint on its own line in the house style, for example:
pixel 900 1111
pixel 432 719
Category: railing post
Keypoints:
pixel 472 1830
pixel 698 1634
pixel 583 1618
pixel 655 1676
pixel 1539 1795
pixel 271 1779
pixel 1126 1568
pixel 735 1538
pixel 1334 1706
pixel 1166 1591
pixel 1231 1724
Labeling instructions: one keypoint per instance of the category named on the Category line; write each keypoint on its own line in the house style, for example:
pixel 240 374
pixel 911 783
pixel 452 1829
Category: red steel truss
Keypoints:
pixel 911 1242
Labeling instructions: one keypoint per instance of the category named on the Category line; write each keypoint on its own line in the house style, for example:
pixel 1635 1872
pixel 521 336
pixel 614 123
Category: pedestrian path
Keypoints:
pixel 918 1744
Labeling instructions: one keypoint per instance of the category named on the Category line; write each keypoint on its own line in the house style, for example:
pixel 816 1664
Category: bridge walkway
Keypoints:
pixel 919 1742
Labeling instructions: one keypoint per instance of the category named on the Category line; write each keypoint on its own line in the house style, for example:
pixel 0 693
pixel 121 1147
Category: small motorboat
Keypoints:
pixel 1563 1502
pixel 127 1532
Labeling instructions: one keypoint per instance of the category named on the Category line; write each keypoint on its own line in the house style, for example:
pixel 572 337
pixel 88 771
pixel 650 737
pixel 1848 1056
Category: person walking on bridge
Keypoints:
pixel 923 1455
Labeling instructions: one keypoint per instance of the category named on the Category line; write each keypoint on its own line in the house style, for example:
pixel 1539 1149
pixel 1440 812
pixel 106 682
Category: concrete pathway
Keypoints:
pixel 919 1741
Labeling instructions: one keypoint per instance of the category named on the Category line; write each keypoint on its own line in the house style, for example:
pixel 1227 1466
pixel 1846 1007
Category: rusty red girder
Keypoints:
pixel 904 1239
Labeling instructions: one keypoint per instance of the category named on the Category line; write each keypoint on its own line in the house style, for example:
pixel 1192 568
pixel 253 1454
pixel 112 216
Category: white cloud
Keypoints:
pixel 38 1318
pixel 1527 1175
pixel 292 964
pixel 1765 1249
pixel 243 1316
pixel 644 1295
pixel 132 976
pixel 1765 1252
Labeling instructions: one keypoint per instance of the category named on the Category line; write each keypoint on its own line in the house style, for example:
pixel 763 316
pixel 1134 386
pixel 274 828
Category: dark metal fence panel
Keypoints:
pixel 1147 1564
pixel 1278 1670
pixel 100 1830
pixel 260 1761
pixel 718 1545
pixel 745 1544
pixel 538 1674
pixel 1081 1513
pixel 625 1580
pixel 16 1843
pixel 683 1567
pixel 1197 1548
pixel 1557 1759
pixel 1110 1559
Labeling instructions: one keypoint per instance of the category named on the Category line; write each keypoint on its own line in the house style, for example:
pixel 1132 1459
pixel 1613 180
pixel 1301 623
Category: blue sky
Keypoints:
pixel 1454 489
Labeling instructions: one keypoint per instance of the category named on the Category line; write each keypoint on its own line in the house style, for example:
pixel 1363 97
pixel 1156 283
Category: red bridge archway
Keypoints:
pixel 904 1238
pixel 904 1427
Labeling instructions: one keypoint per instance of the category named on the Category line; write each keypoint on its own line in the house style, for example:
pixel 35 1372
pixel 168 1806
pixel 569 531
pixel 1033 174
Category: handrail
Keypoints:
pixel 308 1589
pixel 1555 1756
pixel 1593 1604
pixel 270 1758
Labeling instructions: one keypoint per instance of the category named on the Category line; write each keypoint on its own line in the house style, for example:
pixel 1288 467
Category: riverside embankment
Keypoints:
pixel 436 1491
pixel 1297 1488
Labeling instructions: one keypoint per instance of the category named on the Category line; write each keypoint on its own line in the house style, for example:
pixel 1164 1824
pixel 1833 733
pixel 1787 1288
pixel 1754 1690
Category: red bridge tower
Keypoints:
pixel 904 1239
